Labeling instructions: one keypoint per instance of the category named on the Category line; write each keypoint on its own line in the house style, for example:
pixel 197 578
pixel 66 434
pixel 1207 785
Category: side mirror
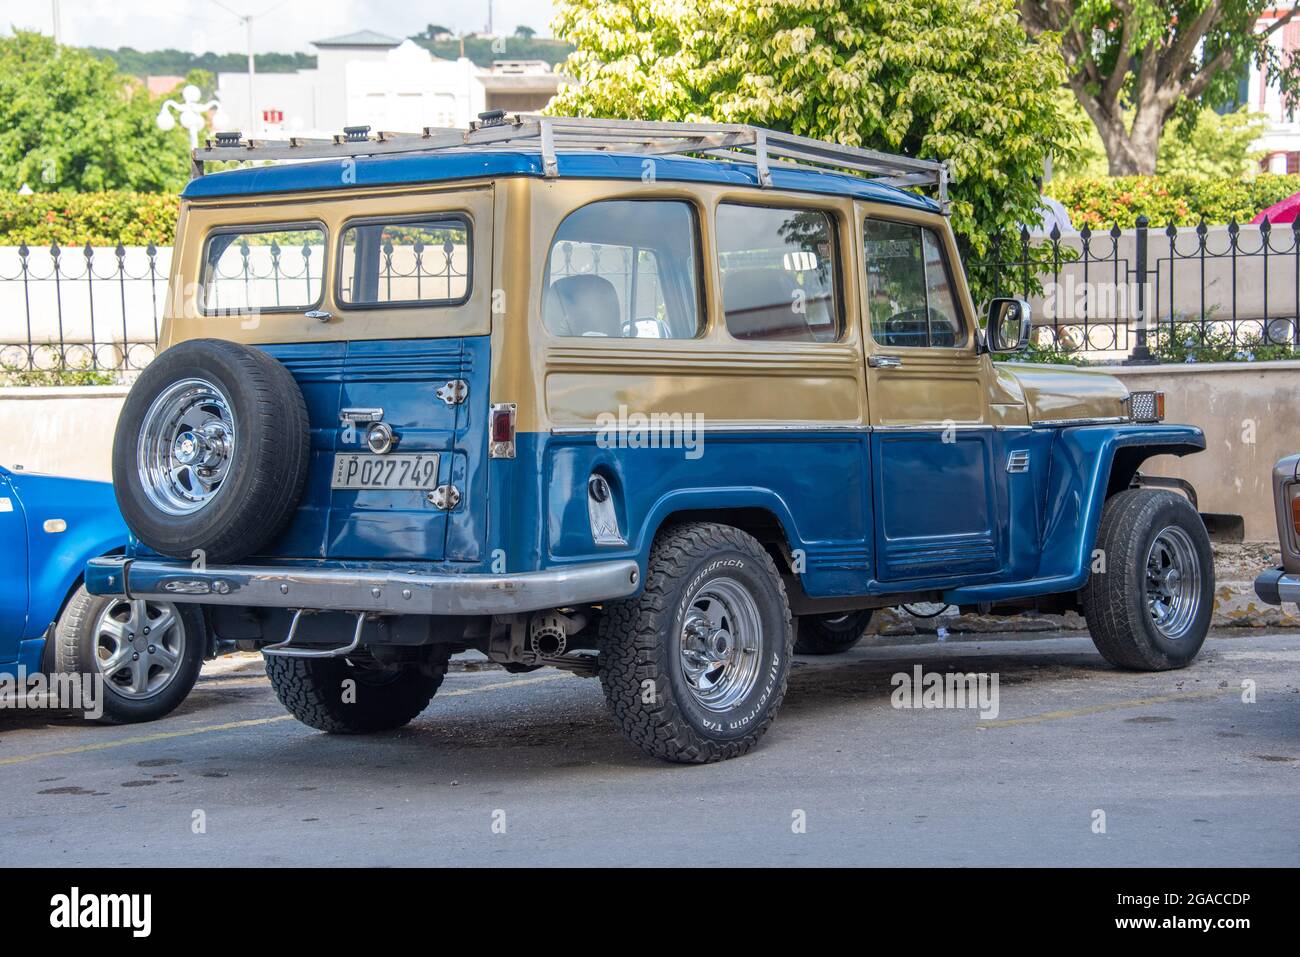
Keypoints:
pixel 1009 325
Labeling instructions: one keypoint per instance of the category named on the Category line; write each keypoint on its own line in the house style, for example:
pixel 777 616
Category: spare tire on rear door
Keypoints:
pixel 211 450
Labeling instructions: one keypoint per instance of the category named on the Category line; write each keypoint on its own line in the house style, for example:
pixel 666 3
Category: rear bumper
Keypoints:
pixel 361 590
pixel 1276 586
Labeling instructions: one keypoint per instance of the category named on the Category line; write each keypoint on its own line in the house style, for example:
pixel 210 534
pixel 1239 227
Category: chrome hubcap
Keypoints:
pixel 139 646
pixel 1173 582
pixel 720 643
pixel 187 442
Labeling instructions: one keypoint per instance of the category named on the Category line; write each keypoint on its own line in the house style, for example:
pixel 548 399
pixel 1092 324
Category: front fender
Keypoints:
pixel 91 526
pixel 1087 465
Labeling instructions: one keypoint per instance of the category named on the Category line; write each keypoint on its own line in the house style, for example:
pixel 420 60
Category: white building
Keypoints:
pixel 368 79
pixel 1281 143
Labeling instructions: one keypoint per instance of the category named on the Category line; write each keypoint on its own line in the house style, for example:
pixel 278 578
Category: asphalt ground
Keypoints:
pixel 1082 765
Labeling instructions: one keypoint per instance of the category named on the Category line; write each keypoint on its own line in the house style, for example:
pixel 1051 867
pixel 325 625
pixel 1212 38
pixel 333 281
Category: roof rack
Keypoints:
pixel 551 135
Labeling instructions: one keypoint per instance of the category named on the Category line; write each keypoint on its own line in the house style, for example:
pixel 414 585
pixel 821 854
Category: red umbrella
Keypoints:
pixel 1286 211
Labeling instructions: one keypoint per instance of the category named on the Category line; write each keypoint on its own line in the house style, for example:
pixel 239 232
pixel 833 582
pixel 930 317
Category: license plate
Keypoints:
pixel 411 471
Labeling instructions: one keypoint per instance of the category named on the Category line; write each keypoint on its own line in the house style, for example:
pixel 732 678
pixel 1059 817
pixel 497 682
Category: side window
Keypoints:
pixel 778 273
pixel 265 269
pixel 624 269
pixel 405 262
pixel 909 296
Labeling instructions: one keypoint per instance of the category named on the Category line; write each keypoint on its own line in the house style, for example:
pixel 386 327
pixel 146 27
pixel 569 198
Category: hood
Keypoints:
pixel 1055 393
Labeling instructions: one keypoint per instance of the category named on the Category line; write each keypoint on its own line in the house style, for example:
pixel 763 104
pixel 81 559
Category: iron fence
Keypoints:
pixel 1149 295
pixel 1138 295
pixel 85 310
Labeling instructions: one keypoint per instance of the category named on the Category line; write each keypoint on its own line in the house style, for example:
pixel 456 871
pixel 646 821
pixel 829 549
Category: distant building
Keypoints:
pixel 369 79
pixel 162 85
pixel 1281 143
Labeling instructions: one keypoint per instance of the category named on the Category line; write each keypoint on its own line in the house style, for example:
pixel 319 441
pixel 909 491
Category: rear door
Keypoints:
pixel 390 345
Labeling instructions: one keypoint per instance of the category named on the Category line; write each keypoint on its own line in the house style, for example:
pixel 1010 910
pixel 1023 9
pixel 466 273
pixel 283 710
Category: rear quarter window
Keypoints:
pixel 625 269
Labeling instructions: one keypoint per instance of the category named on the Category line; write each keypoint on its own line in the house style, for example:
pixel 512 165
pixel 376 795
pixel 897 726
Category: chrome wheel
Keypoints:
pixel 1173 582
pixel 187 442
pixel 139 646
pixel 720 642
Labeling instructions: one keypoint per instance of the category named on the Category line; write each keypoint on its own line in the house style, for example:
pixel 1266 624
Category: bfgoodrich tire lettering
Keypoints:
pixel 674 694
pixel 1140 530
pixel 256 465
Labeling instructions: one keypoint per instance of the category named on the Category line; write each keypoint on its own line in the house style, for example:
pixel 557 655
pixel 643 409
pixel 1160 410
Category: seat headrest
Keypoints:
pixel 760 305
pixel 583 305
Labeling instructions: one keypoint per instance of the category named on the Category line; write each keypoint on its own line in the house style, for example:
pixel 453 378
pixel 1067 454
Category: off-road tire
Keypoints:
pixel 75 644
pixel 831 634
pixel 313 691
pixel 1114 600
pixel 266 475
pixel 639 641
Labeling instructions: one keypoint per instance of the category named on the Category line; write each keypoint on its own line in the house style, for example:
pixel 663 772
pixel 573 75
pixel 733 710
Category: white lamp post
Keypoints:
pixel 190 110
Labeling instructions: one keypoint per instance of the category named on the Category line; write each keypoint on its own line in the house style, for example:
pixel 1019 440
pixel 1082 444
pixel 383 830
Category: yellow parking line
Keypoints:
pixel 232 725
pixel 1108 706
pixel 139 739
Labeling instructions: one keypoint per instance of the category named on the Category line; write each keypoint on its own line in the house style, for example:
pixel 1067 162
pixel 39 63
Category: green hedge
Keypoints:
pixel 102 219
pixel 137 219
pixel 1182 200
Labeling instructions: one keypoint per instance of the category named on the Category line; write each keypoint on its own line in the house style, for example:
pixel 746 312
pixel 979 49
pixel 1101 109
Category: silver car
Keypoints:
pixel 1278 585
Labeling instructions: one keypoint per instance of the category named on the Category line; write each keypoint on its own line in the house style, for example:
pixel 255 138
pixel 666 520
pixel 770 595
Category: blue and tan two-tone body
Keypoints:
pixel 945 474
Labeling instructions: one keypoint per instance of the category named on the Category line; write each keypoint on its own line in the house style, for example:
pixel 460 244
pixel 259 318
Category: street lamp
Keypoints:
pixel 190 110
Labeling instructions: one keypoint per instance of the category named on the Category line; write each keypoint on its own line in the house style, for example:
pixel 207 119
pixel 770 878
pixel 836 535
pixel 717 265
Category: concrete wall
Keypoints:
pixel 1250 414
pixel 65 431
pixel 1251 417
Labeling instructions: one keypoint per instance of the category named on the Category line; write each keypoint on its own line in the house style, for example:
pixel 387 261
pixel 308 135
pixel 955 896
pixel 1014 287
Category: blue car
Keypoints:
pixel 149 653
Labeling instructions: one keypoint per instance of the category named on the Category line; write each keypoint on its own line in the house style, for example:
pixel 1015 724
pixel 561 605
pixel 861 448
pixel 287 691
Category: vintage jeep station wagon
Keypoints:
pixel 662 403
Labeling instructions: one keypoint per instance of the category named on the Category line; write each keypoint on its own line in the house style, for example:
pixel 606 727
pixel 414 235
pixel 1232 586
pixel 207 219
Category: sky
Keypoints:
pixel 284 25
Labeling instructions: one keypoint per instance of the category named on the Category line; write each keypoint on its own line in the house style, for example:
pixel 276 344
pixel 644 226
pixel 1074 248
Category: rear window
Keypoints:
pixel 409 262
pixel 624 269
pixel 267 269
pixel 778 273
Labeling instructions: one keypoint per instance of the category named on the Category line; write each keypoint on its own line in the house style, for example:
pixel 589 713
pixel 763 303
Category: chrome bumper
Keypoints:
pixel 360 590
pixel 1276 586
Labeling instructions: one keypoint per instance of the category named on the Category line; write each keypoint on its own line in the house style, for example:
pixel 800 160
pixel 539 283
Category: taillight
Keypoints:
pixel 501 431
pixel 1295 510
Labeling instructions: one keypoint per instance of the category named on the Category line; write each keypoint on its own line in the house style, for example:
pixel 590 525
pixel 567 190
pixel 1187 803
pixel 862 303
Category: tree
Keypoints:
pixel 1211 144
pixel 1136 64
pixel 944 79
pixel 525 32
pixel 69 121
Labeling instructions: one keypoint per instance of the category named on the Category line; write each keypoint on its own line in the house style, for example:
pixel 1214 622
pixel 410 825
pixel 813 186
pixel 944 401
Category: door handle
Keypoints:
pixel 319 315
pixel 884 362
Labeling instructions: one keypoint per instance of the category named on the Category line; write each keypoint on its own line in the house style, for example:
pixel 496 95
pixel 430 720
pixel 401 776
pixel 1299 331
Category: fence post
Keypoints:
pixel 1141 354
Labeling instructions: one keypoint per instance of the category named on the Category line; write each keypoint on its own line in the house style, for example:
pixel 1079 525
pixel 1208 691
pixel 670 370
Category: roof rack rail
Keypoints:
pixel 551 135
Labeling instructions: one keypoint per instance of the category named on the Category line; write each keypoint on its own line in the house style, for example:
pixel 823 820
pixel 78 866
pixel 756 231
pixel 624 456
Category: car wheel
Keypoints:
pixel 694 669
pixel 830 634
pixel 342 697
pixel 1148 602
pixel 148 654
pixel 211 451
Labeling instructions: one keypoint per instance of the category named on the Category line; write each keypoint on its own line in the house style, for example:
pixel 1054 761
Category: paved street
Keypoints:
pixel 1184 771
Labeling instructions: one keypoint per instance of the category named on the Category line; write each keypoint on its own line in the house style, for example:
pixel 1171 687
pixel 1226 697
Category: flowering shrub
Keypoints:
pixel 101 219
pixel 1102 202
